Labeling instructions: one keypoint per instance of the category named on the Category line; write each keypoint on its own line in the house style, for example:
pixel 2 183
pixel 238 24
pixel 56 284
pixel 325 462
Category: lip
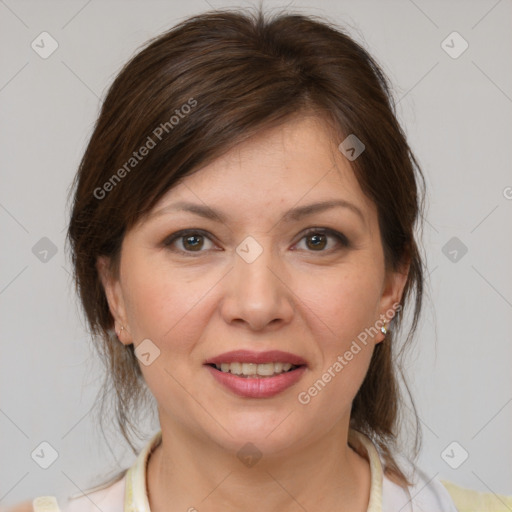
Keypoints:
pixel 264 387
pixel 249 356
pixel 255 387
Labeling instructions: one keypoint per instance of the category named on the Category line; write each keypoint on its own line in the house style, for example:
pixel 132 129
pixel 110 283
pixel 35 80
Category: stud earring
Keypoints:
pixel 383 329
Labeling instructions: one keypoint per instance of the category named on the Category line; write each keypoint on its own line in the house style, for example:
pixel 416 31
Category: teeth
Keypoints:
pixel 252 369
pixel 265 369
pixel 249 368
pixel 235 368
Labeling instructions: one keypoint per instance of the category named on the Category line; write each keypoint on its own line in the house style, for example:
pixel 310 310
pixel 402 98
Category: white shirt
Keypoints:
pixel 129 493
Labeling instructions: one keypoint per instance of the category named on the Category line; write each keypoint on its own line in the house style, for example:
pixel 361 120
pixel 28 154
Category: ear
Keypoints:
pixel 392 291
pixel 115 298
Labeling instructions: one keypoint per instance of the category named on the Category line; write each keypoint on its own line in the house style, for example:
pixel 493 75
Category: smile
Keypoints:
pixel 252 374
pixel 255 370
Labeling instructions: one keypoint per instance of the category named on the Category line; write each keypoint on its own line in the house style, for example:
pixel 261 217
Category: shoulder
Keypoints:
pixel 437 495
pixel 470 500
pixel 108 497
pixel 426 493
pixel 25 506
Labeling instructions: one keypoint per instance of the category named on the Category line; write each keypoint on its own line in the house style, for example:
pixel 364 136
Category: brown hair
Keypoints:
pixel 189 96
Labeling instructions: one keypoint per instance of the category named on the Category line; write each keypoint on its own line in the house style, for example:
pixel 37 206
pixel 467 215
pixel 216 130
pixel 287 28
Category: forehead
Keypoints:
pixel 294 164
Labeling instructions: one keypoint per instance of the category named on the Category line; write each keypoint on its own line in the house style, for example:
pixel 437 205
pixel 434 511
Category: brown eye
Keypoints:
pixel 193 242
pixel 188 241
pixel 317 240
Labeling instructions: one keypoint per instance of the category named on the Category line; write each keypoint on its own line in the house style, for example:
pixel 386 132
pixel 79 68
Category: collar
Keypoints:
pixel 136 498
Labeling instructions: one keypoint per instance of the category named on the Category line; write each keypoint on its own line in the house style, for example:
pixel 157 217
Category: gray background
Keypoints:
pixel 457 114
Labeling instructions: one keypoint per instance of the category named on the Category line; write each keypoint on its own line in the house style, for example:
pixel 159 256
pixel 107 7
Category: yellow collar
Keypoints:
pixel 136 498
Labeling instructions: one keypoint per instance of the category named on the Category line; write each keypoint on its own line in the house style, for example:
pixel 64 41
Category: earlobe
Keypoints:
pixel 393 291
pixel 114 296
pixel 392 295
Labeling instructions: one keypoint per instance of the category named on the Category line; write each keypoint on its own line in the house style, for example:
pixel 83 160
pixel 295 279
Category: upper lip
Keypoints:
pixel 249 356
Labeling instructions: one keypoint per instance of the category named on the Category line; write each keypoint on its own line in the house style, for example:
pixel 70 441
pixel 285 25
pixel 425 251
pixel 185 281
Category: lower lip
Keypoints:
pixel 264 387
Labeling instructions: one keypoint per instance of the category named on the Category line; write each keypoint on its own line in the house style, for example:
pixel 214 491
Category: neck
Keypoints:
pixel 186 473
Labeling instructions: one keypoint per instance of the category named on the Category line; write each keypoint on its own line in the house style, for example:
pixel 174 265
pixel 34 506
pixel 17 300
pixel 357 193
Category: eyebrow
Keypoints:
pixel 294 214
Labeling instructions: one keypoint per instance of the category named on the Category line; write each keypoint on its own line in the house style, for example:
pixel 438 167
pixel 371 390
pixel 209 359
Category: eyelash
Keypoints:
pixel 340 237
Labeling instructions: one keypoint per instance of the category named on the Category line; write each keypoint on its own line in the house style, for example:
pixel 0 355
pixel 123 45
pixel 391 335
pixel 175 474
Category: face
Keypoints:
pixel 269 279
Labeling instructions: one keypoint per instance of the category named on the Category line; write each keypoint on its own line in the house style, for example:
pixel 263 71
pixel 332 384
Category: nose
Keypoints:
pixel 257 293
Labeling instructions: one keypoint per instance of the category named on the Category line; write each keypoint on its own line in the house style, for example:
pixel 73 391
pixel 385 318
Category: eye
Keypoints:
pixel 317 239
pixel 188 240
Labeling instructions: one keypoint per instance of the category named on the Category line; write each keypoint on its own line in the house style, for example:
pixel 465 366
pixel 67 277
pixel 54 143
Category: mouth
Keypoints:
pixel 256 374
pixel 253 370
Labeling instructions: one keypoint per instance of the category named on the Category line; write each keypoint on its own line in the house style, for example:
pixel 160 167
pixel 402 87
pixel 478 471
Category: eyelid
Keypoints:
pixel 340 237
pixel 182 233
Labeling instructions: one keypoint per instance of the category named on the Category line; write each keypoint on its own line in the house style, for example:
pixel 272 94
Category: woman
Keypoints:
pixel 243 241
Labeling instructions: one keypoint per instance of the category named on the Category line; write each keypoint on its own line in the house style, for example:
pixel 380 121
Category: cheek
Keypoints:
pixel 339 312
pixel 164 305
pixel 344 304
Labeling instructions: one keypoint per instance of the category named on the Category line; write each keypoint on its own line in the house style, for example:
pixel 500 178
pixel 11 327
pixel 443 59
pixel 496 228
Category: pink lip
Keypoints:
pixel 248 356
pixel 253 387
pixel 257 387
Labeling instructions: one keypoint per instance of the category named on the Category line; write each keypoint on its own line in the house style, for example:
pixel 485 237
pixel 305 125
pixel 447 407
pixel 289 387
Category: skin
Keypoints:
pixel 311 300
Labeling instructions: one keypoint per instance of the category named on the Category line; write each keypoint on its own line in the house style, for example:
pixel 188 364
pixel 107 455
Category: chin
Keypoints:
pixel 266 431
